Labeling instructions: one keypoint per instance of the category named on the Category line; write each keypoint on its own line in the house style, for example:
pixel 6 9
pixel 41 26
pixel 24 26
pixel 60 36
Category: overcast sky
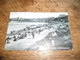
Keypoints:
pixel 35 14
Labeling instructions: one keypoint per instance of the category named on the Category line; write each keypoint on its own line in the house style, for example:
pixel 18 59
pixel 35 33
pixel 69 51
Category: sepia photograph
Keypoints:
pixel 38 31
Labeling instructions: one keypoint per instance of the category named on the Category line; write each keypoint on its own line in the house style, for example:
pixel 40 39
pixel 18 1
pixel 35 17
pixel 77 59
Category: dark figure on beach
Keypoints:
pixel 25 34
pixel 39 30
pixel 15 38
pixel 7 40
pixel 11 32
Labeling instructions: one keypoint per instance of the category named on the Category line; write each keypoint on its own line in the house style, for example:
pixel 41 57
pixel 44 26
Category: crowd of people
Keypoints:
pixel 28 32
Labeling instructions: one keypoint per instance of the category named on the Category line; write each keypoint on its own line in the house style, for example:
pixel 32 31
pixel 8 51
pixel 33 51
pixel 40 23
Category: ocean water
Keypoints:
pixel 20 25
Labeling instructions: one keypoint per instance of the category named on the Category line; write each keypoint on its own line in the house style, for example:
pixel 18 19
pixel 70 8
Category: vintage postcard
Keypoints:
pixel 38 31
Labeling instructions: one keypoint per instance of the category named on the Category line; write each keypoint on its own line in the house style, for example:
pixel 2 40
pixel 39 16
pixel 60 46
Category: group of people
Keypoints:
pixel 17 37
pixel 26 32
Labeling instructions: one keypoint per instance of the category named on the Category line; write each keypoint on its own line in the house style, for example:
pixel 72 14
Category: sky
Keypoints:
pixel 35 14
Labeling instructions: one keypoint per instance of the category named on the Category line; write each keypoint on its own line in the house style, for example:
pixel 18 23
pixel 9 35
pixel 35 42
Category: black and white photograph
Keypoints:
pixel 38 31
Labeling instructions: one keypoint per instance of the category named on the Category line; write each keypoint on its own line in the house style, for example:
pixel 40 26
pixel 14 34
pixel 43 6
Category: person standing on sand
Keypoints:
pixel 14 38
pixel 33 35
